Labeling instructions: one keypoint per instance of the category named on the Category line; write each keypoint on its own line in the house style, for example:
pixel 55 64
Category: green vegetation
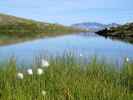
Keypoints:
pixel 14 29
pixel 123 32
pixel 67 79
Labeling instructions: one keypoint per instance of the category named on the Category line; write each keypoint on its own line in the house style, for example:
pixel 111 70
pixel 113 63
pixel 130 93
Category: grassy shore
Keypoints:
pixel 66 79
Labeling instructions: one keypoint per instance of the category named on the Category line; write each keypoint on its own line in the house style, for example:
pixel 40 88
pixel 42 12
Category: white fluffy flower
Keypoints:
pixel 20 75
pixel 39 71
pixel 81 55
pixel 29 71
pixel 43 93
pixel 45 63
pixel 127 59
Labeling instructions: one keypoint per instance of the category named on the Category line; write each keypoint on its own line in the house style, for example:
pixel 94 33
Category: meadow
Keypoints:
pixel 65 78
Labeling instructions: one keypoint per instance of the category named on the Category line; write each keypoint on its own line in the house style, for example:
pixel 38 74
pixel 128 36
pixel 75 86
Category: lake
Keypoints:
pixel 84 45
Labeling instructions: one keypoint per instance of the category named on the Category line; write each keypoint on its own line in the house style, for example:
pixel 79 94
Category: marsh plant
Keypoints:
pixel 66 79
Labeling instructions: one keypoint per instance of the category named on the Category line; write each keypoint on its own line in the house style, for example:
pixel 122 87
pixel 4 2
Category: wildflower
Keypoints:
pixel 39 71
pixel 45 63
pixel 20 76
pixel 29 71
pixel 127 59
pixel 43 93
pixel 81 55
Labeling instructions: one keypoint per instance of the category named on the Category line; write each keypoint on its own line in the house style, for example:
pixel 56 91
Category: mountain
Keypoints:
pixel 93 26
pixel 112 25
pixel 89 26
pixel 15 28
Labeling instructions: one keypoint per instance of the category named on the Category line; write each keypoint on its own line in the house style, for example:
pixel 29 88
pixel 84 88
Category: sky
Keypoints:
pixel 69 12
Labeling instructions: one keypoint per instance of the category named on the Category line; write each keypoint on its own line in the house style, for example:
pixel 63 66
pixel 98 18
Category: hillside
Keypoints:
pixel 123 32
pixel 12 27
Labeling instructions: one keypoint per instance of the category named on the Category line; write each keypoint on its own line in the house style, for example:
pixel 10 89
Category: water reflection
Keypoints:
pixel 87 44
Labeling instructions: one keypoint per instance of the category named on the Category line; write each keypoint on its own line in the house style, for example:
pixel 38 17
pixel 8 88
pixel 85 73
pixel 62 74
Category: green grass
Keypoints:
pixel 66 79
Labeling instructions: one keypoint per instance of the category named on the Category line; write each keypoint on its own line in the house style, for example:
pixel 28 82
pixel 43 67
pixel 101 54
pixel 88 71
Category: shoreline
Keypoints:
pixel 116 35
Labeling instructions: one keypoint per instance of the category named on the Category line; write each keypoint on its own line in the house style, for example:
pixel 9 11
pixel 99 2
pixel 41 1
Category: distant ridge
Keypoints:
pixel 93 26
pixel 12 25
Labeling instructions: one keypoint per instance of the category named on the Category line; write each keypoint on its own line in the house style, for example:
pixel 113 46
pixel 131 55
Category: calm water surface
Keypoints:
pixel 87 44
